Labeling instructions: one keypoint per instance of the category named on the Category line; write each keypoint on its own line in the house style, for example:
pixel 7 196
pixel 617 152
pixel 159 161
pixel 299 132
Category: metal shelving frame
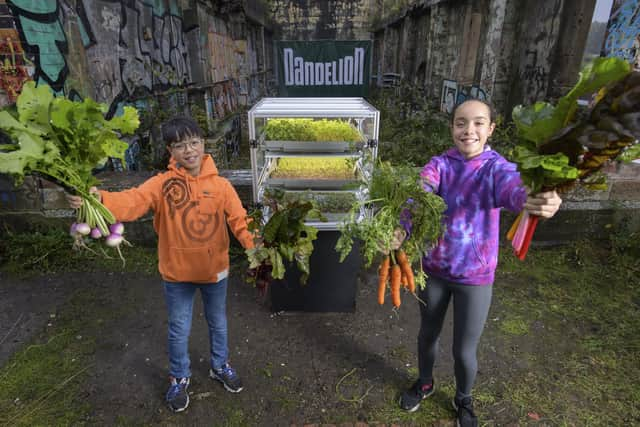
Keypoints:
pixel 356 109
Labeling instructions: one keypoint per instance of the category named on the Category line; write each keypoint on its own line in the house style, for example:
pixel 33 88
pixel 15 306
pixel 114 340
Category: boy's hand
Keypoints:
pixel 544 204
pixel 76 201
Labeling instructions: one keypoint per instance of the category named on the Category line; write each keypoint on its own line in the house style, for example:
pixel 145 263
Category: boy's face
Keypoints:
pixel 188 153
pixel 471 128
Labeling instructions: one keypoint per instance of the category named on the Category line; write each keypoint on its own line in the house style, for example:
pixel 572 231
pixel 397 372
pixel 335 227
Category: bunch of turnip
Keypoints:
pixel 95 221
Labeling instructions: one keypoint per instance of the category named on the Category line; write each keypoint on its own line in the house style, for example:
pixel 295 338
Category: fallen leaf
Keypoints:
pixel 534 416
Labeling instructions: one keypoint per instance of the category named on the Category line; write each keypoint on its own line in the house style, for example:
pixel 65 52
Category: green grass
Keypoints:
pixel 581 361
pixel 42 383
pixel 565 325
pixel 51 251
pixel 564 328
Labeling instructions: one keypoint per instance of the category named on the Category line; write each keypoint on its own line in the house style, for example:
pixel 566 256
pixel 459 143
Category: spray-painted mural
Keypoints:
pixel 15 67
pixel 453 94
pixel 623 31
pixel 108 50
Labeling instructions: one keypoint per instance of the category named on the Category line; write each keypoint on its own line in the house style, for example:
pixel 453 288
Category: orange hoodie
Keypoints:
pixel 190 217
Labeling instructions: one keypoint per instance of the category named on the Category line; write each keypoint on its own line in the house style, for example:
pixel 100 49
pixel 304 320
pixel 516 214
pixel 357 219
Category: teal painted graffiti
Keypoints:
pixel 86 40
pixel 157 6
pixel 36 6
pixel 45 35
pixel 174 8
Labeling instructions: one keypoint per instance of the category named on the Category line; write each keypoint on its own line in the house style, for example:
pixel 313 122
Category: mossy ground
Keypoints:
pixel 560 348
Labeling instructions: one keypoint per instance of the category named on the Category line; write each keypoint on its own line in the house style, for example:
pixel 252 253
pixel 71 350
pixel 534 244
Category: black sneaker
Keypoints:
pixel 228 377
pixel 464 412
pixel 411 399
pixel 177 397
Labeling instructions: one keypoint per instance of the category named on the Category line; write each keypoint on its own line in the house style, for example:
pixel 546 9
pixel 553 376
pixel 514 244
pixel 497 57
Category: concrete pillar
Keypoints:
pixel 576 21
pixel 493 45
pixel 535 50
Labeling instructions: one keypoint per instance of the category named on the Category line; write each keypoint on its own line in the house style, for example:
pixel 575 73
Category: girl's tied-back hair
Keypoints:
pixel 179 129
pixel 493 115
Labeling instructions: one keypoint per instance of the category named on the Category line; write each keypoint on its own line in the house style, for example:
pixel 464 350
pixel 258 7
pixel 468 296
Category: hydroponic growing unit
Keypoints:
pixel 325 149
pixel 268 155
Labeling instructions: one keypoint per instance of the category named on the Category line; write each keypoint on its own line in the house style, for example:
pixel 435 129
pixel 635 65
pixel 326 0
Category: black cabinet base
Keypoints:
pixel 331 287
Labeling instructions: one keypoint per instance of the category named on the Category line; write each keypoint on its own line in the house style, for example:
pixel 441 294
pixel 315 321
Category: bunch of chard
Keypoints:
pixel 561 145
pixel 282 236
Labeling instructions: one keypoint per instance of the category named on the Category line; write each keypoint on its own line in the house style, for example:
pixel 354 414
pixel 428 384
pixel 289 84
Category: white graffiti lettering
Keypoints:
pixel 348 70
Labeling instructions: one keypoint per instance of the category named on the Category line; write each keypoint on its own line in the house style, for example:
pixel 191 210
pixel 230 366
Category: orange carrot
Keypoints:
pixel 403 280
pixel 405 266
pixel 396 272
pixel 383 275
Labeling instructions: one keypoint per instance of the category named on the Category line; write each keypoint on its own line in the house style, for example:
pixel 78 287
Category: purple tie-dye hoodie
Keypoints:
pixel 475 190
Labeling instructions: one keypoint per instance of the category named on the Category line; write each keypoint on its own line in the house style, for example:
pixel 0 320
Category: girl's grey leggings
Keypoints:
pixel 470 309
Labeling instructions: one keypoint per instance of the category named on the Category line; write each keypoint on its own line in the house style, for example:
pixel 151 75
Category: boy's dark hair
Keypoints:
pixel 492 111
pixel 179 129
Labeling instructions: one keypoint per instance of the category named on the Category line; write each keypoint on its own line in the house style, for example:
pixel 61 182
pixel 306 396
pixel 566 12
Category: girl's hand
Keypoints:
pixel 544 204
pixel 396 241
pixel 76 201
pixel 398 238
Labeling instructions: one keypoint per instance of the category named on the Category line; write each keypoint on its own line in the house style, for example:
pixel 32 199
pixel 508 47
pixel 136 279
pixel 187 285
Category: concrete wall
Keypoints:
pixel 165 57
pixel 510 51
pixel 318 20
pixel 120 51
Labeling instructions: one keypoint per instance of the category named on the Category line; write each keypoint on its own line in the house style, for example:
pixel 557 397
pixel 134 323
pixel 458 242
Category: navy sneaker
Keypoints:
pixel 411 399
pixel 465 417
pixel 177 397
pixel 228 377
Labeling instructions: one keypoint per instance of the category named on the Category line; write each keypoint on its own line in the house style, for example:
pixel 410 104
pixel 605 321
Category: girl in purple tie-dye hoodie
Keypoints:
pixel 476 183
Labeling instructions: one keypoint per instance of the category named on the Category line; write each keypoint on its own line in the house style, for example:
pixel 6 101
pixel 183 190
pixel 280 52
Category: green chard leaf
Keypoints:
pixel 540 121
pixel 542 154
pixel 285 235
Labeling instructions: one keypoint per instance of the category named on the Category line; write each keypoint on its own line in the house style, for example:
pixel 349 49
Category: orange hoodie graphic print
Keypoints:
pixel 198 222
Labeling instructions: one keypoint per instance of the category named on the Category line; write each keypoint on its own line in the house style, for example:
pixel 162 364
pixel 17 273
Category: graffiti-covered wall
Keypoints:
pixel 623 31
pixel 108 50
pixel 15 66
pixel 119 51
pixel 165 57
pixel 508 51
pixel 321 20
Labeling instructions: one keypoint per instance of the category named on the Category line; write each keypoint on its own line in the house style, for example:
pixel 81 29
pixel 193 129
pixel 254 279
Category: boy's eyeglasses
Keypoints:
pixel 181 146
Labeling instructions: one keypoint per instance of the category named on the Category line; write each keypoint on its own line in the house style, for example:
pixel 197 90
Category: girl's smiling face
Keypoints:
pixel 471 127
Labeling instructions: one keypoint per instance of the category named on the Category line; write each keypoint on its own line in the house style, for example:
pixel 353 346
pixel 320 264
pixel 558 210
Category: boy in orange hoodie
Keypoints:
pixel 192 206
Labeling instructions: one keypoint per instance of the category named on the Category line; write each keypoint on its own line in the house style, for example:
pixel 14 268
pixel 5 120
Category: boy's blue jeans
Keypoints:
pixel 180 297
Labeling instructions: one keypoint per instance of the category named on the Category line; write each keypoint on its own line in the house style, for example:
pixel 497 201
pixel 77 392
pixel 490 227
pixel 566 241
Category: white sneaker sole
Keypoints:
pixel 179 409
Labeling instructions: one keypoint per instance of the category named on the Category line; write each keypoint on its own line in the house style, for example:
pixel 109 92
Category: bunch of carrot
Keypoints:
pixel 395 270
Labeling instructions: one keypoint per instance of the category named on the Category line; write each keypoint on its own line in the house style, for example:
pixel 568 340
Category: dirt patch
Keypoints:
pixel 546 356
pixel 296 367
